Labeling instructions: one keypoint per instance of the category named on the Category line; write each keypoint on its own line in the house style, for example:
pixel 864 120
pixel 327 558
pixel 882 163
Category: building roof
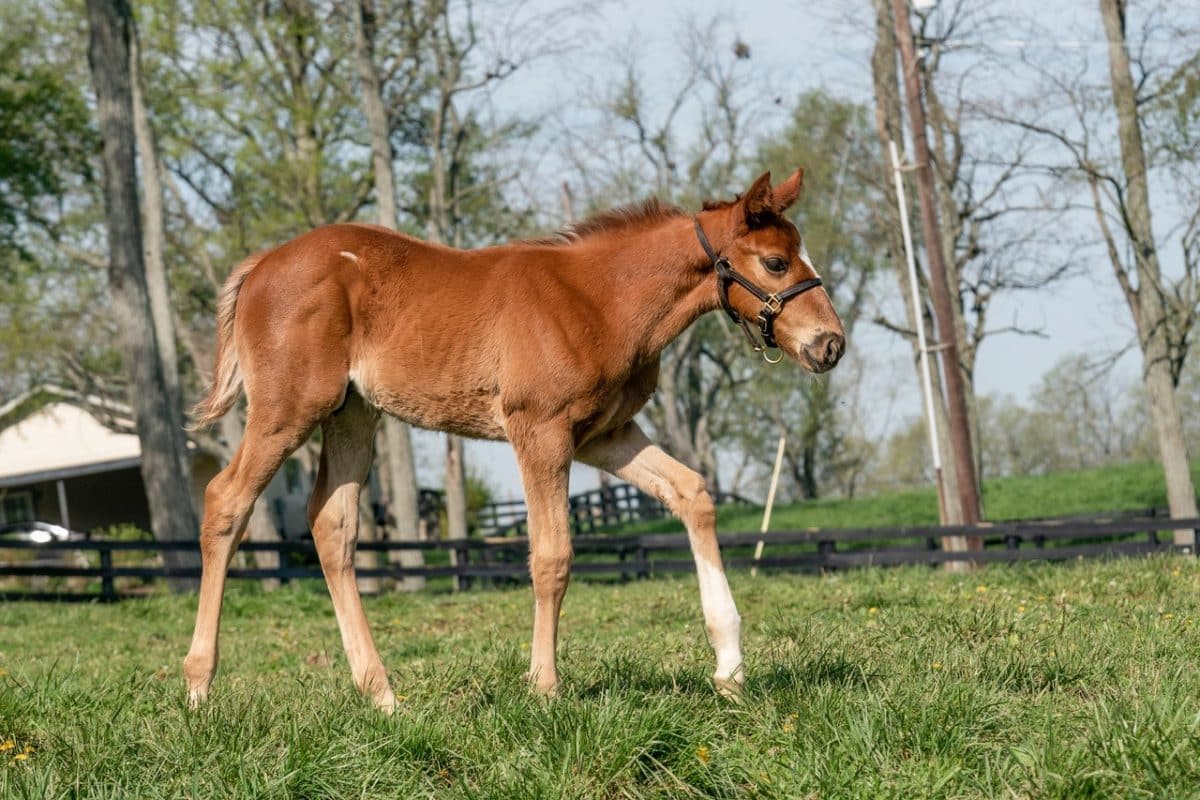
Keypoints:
pixel 61 439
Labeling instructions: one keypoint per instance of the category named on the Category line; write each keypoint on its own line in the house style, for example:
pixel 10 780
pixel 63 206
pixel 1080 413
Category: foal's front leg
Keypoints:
pixel 544 456
pixel 629 455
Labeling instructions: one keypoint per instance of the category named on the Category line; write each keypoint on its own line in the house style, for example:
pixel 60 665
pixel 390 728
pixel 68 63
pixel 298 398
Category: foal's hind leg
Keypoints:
pixel 629 455
pixel 333 516
pixel 228 502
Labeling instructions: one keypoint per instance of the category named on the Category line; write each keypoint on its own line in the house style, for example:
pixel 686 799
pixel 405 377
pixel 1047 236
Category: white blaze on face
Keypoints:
pixel 806 258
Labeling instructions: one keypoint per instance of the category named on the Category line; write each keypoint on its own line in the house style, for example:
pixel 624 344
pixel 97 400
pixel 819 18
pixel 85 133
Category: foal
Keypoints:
pixel 552 345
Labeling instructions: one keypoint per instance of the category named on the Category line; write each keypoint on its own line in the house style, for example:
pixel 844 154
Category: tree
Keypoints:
pixel 889 128
pixel 401 469
pixel 165 465
pixel 460 190
pixel 832 139
pixel 633 132
pixel 1164 316
pixel 1075 119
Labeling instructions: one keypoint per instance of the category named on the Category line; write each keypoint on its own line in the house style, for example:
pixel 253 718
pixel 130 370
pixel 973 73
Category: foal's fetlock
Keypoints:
pixel 198 674
pixel 542 687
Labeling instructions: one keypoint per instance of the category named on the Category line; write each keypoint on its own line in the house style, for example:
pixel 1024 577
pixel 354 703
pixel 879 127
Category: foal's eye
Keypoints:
pixel 775 264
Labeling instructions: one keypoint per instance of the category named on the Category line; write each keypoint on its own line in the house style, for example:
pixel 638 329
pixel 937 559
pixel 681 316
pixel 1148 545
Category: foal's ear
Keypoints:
pixel 757 200
pixel 786 193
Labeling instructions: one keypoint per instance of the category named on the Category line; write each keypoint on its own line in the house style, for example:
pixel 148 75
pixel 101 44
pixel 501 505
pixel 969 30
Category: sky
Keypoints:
pixel 827 44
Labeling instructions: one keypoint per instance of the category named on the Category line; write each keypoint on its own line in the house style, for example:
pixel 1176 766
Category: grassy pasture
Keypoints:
pixel 1117 487
pixel 1054 681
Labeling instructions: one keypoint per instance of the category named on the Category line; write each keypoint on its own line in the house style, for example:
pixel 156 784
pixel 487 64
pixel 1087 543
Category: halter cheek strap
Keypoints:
pixel 773 302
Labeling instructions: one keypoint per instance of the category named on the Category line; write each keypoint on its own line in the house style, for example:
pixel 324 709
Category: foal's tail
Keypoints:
pixel 227 374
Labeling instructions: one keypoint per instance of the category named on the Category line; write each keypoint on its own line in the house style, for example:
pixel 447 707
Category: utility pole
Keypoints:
pixel 960 431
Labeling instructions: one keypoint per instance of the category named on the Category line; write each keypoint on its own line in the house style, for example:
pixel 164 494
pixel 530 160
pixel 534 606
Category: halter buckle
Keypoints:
pixel 773 305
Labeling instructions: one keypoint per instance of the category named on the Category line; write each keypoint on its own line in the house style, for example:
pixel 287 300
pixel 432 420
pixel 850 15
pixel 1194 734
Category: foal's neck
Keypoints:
pixel 662 281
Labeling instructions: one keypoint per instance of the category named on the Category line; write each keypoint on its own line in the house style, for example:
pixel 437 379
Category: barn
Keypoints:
pixel 71 460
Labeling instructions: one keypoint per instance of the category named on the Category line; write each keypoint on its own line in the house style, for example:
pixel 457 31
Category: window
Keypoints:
pixel 16 507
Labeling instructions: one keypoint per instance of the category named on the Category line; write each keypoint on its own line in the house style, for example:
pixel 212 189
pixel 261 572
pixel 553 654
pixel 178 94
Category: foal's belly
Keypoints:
pixel 448 402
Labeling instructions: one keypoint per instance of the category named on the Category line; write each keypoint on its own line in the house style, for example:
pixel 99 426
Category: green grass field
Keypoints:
pixel 1048 681
pixel 1117 487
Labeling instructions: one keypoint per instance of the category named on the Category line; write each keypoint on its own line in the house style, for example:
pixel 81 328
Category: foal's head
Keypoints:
pixel 763 245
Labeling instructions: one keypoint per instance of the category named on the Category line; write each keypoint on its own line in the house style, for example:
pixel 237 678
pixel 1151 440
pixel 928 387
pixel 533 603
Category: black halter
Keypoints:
pixel 772 302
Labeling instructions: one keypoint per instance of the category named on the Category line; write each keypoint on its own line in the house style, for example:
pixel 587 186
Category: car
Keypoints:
pixel 39 532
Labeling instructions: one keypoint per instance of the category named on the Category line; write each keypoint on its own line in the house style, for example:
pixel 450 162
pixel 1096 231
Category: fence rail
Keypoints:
pixel 628 556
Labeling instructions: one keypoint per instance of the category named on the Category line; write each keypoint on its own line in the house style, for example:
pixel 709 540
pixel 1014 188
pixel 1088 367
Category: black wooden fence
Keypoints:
pixel 491 560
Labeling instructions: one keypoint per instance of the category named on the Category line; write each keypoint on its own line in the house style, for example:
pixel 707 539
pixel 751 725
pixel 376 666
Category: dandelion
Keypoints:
pixel 1168 615
pixel 788 727
pixel 981 588
pixel 935 666
pixel 1020 609
pixel 702 754
pixel 7 745
pixel 872 610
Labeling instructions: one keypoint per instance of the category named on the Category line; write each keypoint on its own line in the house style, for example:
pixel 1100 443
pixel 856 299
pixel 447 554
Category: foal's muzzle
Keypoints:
pixel 824 351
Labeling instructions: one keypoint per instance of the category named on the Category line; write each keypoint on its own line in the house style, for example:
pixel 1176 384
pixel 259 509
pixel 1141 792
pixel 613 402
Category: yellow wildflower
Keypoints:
pixel 702 754
pixel 20 756
pixel 936 665
pixel 872 610
pixel 981 588
pixel 1020 609
pixel 7 745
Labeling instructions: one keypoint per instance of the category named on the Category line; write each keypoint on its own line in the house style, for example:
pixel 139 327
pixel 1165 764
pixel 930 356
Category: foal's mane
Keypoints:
pixel 621 218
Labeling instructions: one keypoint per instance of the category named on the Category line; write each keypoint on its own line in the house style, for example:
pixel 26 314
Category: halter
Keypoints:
pixel 772 302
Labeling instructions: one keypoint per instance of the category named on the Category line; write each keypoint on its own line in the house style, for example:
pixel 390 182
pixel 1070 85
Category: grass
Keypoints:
pixel 1047 681
pixel 1117 487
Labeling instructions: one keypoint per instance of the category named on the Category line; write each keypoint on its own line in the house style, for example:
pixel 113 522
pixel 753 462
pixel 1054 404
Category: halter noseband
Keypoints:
pixel 772 302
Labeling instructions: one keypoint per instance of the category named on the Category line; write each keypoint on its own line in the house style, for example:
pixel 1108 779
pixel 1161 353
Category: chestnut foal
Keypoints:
pixel 552 345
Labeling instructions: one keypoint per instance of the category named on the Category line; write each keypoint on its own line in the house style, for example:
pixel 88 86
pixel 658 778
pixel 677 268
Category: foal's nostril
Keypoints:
pixel 834 347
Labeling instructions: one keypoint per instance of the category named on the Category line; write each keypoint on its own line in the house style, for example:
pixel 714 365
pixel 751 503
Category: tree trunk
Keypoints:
pixel 401 469
pixel 153 236
pixel 888 124
pixel 165 466
pixel 940 290
pixel 456 497
pixel 1151 312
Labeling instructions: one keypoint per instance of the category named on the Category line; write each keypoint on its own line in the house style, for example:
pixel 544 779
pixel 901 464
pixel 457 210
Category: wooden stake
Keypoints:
pixel 766 520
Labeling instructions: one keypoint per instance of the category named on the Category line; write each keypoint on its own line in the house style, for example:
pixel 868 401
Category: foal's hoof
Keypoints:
pixel 385 703
pixel 196 698
pixel 730 687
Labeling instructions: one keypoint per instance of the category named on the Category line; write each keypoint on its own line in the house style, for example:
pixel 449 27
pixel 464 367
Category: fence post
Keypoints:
pixel 826 548
pixel 108 591
pixel 462 557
